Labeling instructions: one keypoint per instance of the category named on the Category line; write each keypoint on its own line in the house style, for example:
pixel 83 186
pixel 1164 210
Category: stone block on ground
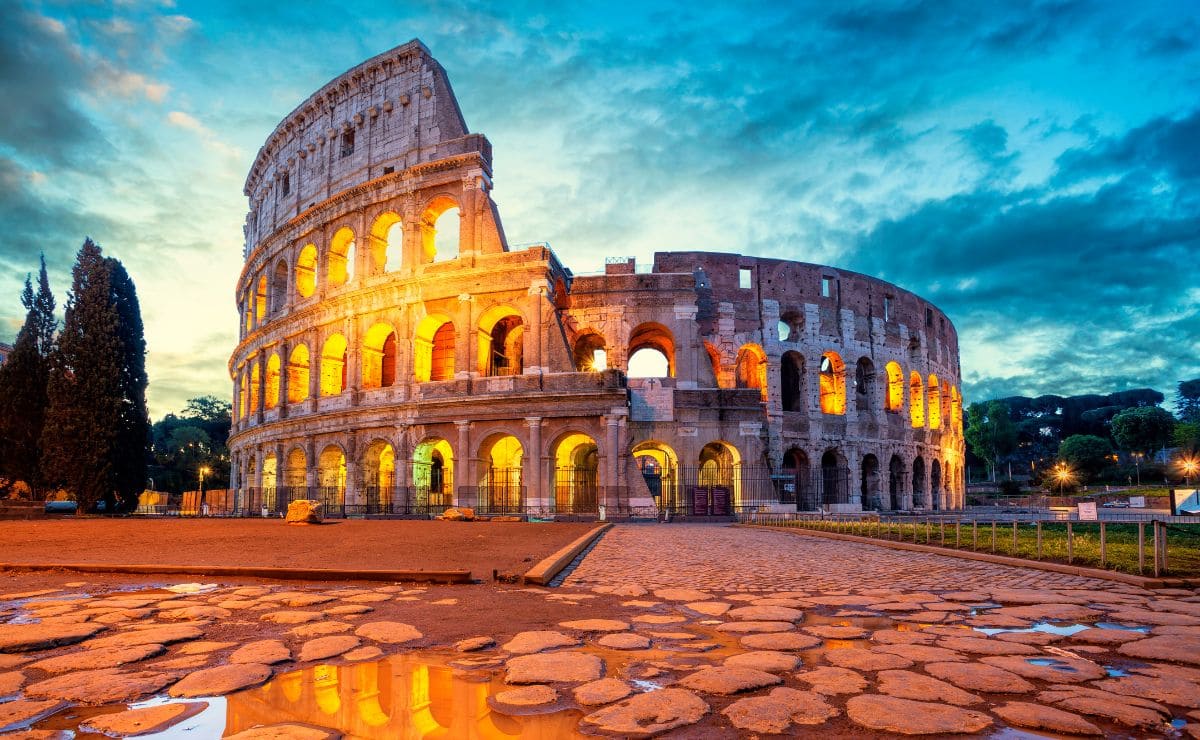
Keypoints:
pixel 304 511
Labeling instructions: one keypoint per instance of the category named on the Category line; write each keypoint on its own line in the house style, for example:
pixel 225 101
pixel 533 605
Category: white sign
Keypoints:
pixel 1087 511
pixel 1137 502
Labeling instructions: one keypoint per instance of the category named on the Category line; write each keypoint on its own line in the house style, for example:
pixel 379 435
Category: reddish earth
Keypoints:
pixel 480 547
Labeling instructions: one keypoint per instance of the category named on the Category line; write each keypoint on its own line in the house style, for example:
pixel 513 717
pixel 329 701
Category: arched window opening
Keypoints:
pixel 718 478
pixel 306 271
pixel 255 385
pixel 331 478
pixel 279 287
pixel 333 366
pixel 871 498
pixel 935 404
pixel 955 408
pixel 243 393
pixel 651 352
pixel 379 357
pixel 296 472
pixel 797 484
pixel 791 381
pixel 714 359
pixel 576 466
pixel 659 468
pixel 270 473
pixel 918 483
pixel 896 476
pixel 500 476
pixel 440 230
pixel 791 326
pixel 895 388
pixel 752 369
pixel 260 300
pixel 864 385
pixel 341 257
pixel 935 484
pixel 387 237
pixel 298 379
pixel 379 474
pixel 506 347
pixel 433 474
pixel 835 479
pixel 590 353
pixel 833 384
pixel 916 400
pixel 271 392
pixel 434 352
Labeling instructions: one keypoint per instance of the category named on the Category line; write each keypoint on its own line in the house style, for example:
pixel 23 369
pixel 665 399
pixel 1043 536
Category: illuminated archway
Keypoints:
pixel 255 385
pixel 331 477
pixel 916 400
pixel 659 468
pixel 333 365
pixel 955 408
pixel 340 262
pixel 433 357
pixel 440 230
pixel 590 353
pixel 500 473
pixel 271 392
pixel 433 473
pixel 260 300
pixel 298 378
pixel 833 384
pixel 501 341
pixel 296 471
pixel 379 475
pixel 379 357
pixel 752 369
pixel 270 471
pixel 935 404
pixel 387 238
pixel 576 469
pixel 894 400
pixel 718 464
pixel 306 271
pixel 651 352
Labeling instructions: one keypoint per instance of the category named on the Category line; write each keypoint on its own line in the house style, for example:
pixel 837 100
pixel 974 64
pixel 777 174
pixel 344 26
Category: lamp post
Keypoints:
pixel 1189 465
pixel 1062 473
pixel 204 470
pixel 1137 465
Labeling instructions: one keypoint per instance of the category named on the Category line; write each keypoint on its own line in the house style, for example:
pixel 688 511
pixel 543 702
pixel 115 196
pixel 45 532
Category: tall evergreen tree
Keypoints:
pixel 80 439
pixel 133 426
pixel 23 381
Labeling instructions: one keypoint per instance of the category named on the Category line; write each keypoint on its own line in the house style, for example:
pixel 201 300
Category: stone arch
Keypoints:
pixel 896 482
pixel 719 462
pixel 791 382
pixel 386 242
pixel 501 341
pixel 833 384
pixel 433 355
pixel 590 353
pixel 752 369
pixel 798 477
pixel 916 400
pixel 935 484
pixel 870 488
pixel 270 471
pixel 333 365
pixel 714 359
pixel 296 470
pixel 271 390
pixel 791 320
pixel 331 476
pixel 501 479
pixel 255 384
pixel 659 467
pixel 298 374
pixel 279 287
pixel 652 338
pixel 339 262
pixel 835 478
pixel 935 403
pixel 379 474
pixel 433 249
pixel 918 482
pixel 260 300
pixel 864 386
pixel 944 403
pixel 894 397
pixel 576 459
pixel 306 271
pixel 433 473
pixel 379 356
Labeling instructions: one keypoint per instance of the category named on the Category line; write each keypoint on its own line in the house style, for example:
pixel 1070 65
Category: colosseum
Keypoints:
pixel 398 355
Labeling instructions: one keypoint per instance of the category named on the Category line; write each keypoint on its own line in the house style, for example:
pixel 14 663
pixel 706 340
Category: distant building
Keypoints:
pixel 5 351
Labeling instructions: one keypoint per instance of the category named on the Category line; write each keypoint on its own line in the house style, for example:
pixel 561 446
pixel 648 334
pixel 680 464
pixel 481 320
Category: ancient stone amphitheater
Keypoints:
pixel 389 370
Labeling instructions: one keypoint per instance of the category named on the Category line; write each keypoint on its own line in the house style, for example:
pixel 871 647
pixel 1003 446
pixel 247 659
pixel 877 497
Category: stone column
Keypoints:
pixel 283 379
pixel 535 465
pixel 314 369
pixel 404 455
pixel 466 338
pixel 353 361
pixel 261 390
pixel 353 493
pixel 235 477
pixel 537 292
pixel 611 444
pixel 310 473
pixel 464 461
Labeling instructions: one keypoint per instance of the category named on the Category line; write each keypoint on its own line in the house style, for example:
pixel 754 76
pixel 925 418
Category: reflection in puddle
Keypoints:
pixel 1064 630
pixel 1144 629
pixel 1054 663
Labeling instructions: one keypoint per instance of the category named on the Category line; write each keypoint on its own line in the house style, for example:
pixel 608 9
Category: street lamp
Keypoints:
pixel 1189 465
pixel 1063 474
pixel 1137 465
pixel 204 470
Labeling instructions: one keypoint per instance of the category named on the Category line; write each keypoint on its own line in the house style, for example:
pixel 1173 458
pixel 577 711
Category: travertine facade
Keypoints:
pixel 390 372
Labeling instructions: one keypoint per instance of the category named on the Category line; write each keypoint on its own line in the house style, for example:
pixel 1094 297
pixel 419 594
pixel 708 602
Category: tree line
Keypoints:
pixel 73 400
pixel 1086 433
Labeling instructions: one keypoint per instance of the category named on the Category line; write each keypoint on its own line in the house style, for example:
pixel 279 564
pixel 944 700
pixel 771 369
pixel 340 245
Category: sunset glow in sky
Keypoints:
pixel 1030 167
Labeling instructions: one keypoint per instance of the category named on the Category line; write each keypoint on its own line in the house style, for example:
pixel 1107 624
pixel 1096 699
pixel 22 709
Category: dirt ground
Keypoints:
pixel 480 547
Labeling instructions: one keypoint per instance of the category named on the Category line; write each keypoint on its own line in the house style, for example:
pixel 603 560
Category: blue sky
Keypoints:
pixel 1031 167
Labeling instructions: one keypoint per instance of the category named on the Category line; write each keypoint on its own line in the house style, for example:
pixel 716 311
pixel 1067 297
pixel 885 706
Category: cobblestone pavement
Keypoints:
pixel 741 559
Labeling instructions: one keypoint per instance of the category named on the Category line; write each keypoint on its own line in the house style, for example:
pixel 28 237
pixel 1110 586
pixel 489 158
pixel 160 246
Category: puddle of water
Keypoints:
pixel 1114 672
pixel 1143 628
pixel 192 588
pixel 1054 663
pixel 1064 630
pixel 1179 723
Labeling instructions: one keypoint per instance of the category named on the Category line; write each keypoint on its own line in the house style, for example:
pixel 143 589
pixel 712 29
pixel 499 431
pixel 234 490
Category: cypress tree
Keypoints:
pixel 23 393
pixel 79 442
pixel 133 425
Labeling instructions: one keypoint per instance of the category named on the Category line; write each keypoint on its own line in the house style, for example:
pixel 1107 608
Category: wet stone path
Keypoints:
pixel 676 630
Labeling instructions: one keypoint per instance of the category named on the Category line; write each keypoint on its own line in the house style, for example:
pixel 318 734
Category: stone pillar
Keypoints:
pixel 535 363
pixel 314 369
pixel 235 474
pixel 353 361
pixel 535 466
pixel 310 473
pixel 283 379
pixel 354 484
pixel 466 338
pixel 280 467
pixel 464 461
pixel 261 390
pixel 611 444
pixel 404 455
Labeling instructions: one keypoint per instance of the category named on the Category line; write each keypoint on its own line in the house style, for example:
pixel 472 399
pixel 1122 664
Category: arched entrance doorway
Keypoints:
pixel 715 492
pixel 331 481
pixel 576 466
pixel 895 483
pixel 918 483
pixel 835 479
pixel 935 485
pixel 869 489
pixel 500 481
pixel 798 476
pixel 659 468
pixel 379 475
pixel 432 476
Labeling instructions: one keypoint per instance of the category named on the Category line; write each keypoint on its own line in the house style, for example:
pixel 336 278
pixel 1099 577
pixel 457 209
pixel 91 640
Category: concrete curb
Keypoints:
pixel 1073 570
pixel 288 574
pixel 544 572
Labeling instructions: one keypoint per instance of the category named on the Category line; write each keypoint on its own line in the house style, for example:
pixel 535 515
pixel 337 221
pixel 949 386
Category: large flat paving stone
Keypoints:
pixel 908 717
pixel 779 641
pixel 980 677
pixel 595 625
pixel 166 634
pixel 765 614
pixel 910 685
pixel 1171 648
pixel 111 657
pixel 1040 717
pixel 860 659
pixel 221 680
pixel 566 666
pixel 831 680
pixel 390 633
pixel 265 652
pixel 725 680
pixel 603 691
pixel 144 721
pixel 327 647
pixel 646 715
pixel 536 641
pixel 23 638
pixel 778 711
pixel 101 686
pixel 20 713
pixel 1053 668
pixel 767 661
